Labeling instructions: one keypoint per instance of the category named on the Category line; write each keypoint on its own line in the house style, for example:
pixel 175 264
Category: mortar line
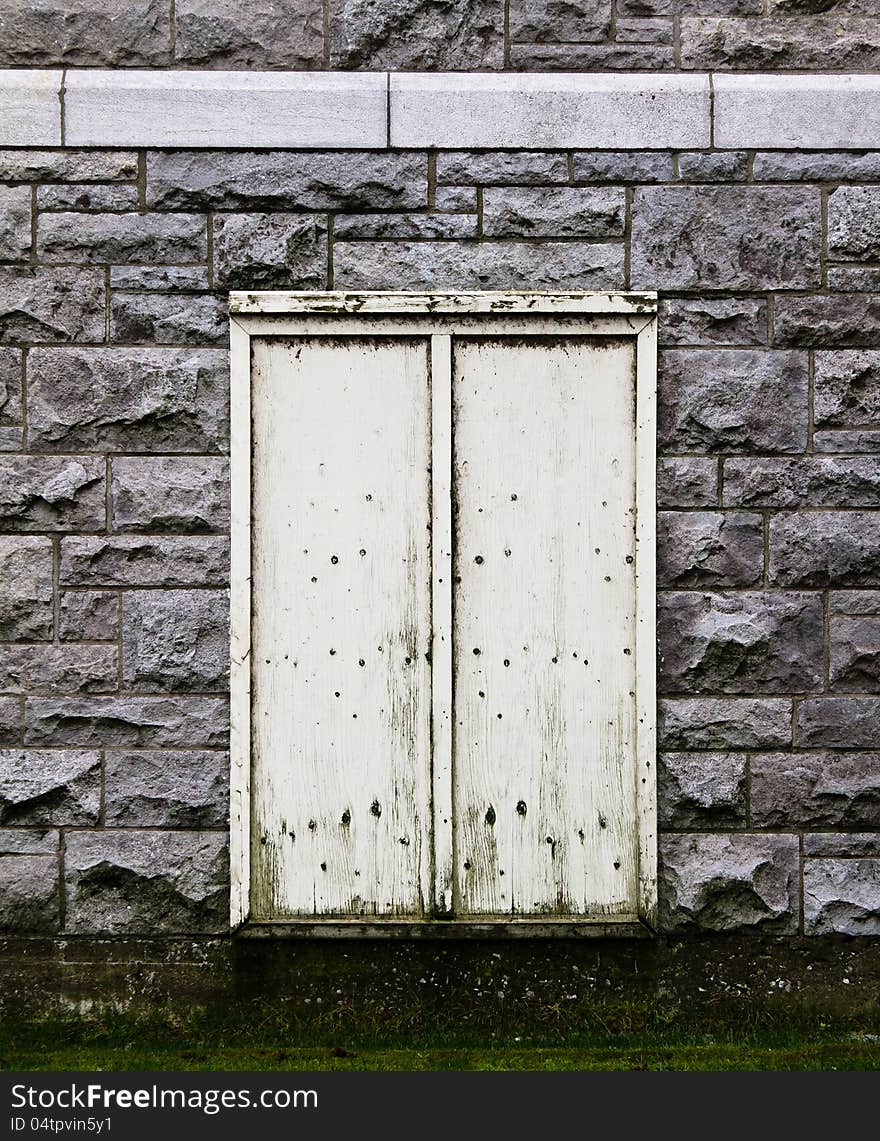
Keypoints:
pixel 325 31
pixel 172 33
pixel 330 243
pixel 62 99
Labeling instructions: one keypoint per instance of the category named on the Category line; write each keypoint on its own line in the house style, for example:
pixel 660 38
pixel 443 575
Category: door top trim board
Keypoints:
pixel 466 301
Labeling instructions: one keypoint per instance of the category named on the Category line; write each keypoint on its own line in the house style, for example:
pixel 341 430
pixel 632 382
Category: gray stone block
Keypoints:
pixel 827 322
pixel 641 30
pixel 144 561
pixel 622 166
pixel 838 723
pixel 26 606
pixel 842 897
pixel 825 548
pixel 854 654
pixel 613 56
pixel 417 35
pixel 269 251
pixel 553 212
pixel 126 882
pixel 478 265
pixel 354 226
pixel 29 842
pixel 15 222
pixel 52 493
pixel 709 548
pixel 178 278
pixel 687 481
pixel 717 400
pixel 690 7
pixel 725 237
pixel 175 640
pixel 286 34
pixel 87 196
pixel 847 441
pixel 67 166
pixel 815 790
pixel 712 321
pixel 816 166
pixel 854 602
pixel 573 21
pixel 853 279
pixel 89 616
pixel 854 223
pixel 720 166
pixel 452 198
pixel 66 669
pixel 170 493
pixel 85 33
pixel 166 789
pixel 10 386
pixel 286 180
pixel 802 482
pixel 849 844
pixel 50 786
pixel 58 304
pixel 847 390
pixel 168 319
pixel 723 723
pixel 128 399
pixel 138 238
pixel 128 722
pixel 701 790
pixel 10 721
pixel 808 43
pixel 742 642
pixel 729 883
pixel 29 896
pixel 501 168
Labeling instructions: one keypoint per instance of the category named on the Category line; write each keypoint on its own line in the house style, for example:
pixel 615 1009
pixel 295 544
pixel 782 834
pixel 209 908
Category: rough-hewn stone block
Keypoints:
pixel 847 844
pixel 727 400
pixel 720 166
pixel 140 882
pixel 179 278
pixel 58 304
pixel 67 166
pixel 67 669
pixel 854 602
pixel 15 223
pixel 283 180
pixel 10 721
pixel 712 321
pixel 26 608
pixel 88 196
pixel 175 640
pixel 812 166
pixel 29 896
pixel 52 493
pixel 168 319
pixel 854 223
pixel 89 616
pixel 701 790
pixel 382 226
pixel 126 722
pixel 839 440
pixel 709 548
pixel 690 7
pixel 842 897
pixel 573 21
pixel 802 482
pixel 28 842
pixel 286 34
pixel 452 198
pixel 853 279
pixel 10 386
pixel 855 654
pixel 725 237
pixel 593 58
pixel 687 481
pixel 724 723
pixel 524 168
pixel 847 390
pixel 478 265
pixel 144 561
pixel 839 723
pixel 815 790
pixel 269 251
pixel 827 322
pixel 417 34
pixel 554 212
pixel 167 789
pixel 622 166
pixel 85 33
pixel 639 30
pixel 729 883
pixel 742 642
pixel 50 786
pixel 809 43
pixel 147 238
pixel 825 548
pixel 128 399
pixel 170 493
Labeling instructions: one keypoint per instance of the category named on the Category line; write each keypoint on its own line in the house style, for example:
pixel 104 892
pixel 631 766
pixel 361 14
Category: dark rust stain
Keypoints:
pixel 490 815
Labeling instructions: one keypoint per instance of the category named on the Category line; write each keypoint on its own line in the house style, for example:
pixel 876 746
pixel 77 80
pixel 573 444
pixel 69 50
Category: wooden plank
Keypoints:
pixel 341 627
pixel 511 927
pixel 544 626
pixel 464 301
pixel 441 600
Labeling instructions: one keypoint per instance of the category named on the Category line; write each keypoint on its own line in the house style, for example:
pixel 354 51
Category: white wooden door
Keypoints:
pixel 443 615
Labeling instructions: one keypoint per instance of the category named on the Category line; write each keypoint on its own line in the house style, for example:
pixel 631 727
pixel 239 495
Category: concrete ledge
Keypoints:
pixel 225 109
pixel 553 111
pixel 797 112
pixel 30 108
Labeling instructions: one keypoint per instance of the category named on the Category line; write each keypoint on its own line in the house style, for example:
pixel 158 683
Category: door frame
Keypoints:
pixel 266 314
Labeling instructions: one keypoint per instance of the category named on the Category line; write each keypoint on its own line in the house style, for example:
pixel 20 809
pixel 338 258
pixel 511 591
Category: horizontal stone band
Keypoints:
pixel 374 110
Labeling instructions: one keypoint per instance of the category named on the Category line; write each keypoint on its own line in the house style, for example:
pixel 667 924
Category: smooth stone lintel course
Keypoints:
pixel 30 108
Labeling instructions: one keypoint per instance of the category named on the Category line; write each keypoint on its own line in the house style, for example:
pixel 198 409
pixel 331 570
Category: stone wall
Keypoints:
pixel 519 35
